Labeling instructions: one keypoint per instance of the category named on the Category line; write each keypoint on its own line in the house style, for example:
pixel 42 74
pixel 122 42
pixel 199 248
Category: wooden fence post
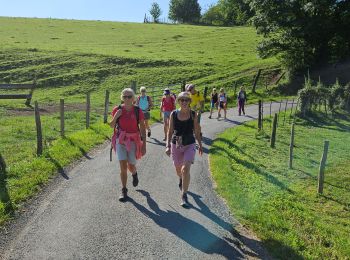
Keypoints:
pixel 205 94
pixel 322 167
pixel 105 115
pixel 256 80
pixel 2 165
pixel 62 116
pixel 39 134
pixel 270 113
pixel 285 111
pixel 183 86
pixel 87 110
pixel 273 133
pixel 259 117
pixel 133 86
pixel 291 111
pixel 291 146
pixel 262 114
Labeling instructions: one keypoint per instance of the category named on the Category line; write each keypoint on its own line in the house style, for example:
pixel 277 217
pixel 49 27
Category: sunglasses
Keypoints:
pixel 184 100
pixel 127 97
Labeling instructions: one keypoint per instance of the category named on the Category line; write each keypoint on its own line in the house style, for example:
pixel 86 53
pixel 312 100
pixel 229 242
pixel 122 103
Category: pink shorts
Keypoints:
pixel 183 154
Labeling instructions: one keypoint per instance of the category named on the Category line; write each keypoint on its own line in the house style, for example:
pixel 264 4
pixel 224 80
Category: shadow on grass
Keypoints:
pixel 83 152
pixel 249 165
pixel 4 194
pixel 58 166
pixel 100 132
pixel 323 121
pixel 191 232
pixel 282 251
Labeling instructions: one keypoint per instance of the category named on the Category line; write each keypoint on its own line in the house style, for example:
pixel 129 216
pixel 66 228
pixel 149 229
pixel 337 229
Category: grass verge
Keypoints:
pixel 282 205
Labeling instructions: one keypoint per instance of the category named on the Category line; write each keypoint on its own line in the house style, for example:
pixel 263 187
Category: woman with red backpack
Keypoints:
pixel 166 107
pixel 129 138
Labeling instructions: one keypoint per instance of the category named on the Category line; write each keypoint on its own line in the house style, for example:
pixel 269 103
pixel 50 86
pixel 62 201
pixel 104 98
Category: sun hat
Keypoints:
pixel 166 91
pixel 189 87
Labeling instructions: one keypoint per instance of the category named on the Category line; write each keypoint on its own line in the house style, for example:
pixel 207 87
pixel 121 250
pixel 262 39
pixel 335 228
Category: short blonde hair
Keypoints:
pixel 127 90
pixel 183 95
pixel 143 89
pixel 222 90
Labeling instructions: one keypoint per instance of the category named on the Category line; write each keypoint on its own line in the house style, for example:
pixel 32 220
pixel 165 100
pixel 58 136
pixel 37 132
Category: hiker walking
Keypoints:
pixel 145 103
pixel 222 103
pixel 242 98
pixel 129 138
pixel 183 130
pixel 197 100
pixel 213 101
pixel 166 107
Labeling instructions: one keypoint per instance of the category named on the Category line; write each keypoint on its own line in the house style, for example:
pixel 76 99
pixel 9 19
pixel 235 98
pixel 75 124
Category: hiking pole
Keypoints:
pixel 110 154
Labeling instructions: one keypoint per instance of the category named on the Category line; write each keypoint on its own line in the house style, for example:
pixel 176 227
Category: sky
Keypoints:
pixel 107 10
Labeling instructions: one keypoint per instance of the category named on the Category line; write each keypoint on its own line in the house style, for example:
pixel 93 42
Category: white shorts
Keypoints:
pixel 124 155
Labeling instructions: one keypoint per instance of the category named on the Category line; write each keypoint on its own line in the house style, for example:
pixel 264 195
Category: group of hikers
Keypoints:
pixel 181 130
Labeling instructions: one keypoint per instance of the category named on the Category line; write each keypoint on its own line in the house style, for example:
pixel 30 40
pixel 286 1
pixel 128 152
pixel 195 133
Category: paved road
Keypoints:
pixel 81 217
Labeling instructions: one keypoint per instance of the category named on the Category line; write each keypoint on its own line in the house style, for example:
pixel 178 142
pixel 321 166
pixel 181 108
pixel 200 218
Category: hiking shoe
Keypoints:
pixel 219 115
pixel 149 133
pixel 184 200
pixel 209 117
pixel 123 195
pixel 180 184
pixel 164 139
pixel 135 179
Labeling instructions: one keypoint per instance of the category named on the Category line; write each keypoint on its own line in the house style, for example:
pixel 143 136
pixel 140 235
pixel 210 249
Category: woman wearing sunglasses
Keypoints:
pixel 129 131
pixel 183 130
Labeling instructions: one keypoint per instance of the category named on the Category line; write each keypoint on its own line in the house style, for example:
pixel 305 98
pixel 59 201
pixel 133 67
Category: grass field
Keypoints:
pixel 282 205
pixel 69 58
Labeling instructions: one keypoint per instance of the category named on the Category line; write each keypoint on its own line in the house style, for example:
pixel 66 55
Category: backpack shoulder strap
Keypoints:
pixel 117 121
pixel 137 114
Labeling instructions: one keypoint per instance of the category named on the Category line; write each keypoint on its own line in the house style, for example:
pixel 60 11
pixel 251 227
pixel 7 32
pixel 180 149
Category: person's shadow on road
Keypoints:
pixel 186 229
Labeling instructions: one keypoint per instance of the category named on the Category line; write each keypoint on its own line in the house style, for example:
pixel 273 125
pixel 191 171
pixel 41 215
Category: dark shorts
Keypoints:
pixel 222 104
pixel 213 105
pixel 147 115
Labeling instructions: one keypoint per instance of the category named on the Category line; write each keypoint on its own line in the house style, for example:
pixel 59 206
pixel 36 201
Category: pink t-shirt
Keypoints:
pixel 127 121
pixel 168 104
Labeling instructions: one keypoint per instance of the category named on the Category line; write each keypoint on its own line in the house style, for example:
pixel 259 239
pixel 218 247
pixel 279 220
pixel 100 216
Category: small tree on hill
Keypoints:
pixel 155 11
pixel 185 11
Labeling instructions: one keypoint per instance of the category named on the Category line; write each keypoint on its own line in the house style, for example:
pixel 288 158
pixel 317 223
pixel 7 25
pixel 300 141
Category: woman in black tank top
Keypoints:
pixel 183 130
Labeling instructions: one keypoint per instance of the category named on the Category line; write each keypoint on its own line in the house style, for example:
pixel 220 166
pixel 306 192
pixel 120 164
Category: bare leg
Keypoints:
pixel 132 168
pixel 123 172
pixel 166 122
pixel 186 176
pixel 178 171
pixel 147 125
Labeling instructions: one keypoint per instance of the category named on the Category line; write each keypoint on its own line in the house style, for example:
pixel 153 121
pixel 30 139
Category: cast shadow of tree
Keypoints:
pixel 250 165
pixel 186 229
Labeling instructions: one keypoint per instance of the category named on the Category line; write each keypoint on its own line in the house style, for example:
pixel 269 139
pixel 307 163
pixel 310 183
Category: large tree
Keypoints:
pixel 303 33
pixel 184 11
pixel 155 11
pixel 228 12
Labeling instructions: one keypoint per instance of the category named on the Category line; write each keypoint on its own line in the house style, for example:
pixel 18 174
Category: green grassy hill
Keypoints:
pixel 71 57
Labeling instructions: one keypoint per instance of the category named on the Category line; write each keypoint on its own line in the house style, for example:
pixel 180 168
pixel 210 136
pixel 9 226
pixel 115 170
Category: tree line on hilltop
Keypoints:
pixel 301 33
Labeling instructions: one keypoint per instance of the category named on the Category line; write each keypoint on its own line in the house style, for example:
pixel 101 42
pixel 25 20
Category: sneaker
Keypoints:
pixel 209 117
pixel 123 195
pixel 219 115
pixel 149 133
pixel 180 184
pixel 135 179
pixel 184 200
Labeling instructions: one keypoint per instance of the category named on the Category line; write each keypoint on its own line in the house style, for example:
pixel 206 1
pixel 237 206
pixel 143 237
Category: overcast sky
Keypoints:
pixel 111 10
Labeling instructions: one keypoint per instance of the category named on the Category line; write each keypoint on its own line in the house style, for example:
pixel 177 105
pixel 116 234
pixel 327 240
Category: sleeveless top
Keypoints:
pixel 144 103
pixel 185 129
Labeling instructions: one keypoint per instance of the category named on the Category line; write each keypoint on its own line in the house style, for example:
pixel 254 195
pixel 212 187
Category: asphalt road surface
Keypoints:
pixel 80 217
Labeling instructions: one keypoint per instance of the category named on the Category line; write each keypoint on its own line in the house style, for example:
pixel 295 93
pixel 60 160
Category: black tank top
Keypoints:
pixel 183 128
